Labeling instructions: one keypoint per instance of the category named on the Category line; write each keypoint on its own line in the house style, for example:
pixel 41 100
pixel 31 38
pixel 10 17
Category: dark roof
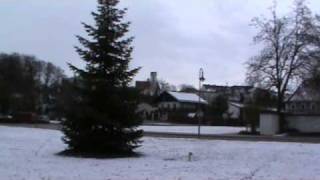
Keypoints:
pixel 307 91
pixel 242 87
pixel 141 85
pixel 209 86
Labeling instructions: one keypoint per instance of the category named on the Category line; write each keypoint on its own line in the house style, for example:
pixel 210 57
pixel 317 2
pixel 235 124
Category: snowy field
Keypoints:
pixel 207 130
pixel 29 154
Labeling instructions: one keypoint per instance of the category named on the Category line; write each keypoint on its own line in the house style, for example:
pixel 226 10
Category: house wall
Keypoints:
pixel 146 111
pixel 144 107
pixel 189 106
pixel 234 112
pixel 169 105
pixel 304 123
pixel 177 106
pixel 176 111
pixel 310 107
pixel 164 117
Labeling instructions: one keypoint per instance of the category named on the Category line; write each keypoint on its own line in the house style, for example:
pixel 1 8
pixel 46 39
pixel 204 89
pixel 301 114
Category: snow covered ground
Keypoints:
pixel 214 130
pixel 29 154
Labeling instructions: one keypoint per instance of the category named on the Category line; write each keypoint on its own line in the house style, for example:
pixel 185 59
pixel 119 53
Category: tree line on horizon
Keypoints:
pixel 28 84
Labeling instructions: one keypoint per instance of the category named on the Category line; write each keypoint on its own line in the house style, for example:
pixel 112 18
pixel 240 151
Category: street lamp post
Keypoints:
pixel 201 79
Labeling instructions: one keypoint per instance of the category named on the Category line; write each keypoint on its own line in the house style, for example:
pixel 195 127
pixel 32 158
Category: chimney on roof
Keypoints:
pixel 153 76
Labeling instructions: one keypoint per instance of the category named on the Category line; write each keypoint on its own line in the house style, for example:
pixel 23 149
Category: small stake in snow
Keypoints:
pixel 189 156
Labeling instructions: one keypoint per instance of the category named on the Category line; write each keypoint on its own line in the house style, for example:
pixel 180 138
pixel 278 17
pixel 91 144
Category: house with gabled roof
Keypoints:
pixel 302 111
pixel 149 87
pixel 305 100
pixel 179 105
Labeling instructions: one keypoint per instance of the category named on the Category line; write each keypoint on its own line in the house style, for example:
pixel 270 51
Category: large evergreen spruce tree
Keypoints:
pixel 102 119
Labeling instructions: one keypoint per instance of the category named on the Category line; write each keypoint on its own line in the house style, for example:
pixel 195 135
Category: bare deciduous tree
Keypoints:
pixel 188 88
pixel 165 86
pixel 284 58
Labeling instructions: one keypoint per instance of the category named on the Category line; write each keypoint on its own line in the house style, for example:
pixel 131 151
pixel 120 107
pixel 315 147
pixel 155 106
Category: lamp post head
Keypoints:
pixel 201 75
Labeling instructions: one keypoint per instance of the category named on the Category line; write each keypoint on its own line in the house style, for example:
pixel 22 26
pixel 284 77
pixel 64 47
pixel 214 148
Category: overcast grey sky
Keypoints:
pixel 173 37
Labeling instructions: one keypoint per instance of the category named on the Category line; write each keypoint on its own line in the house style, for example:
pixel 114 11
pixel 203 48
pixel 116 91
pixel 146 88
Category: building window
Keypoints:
pixel 293 107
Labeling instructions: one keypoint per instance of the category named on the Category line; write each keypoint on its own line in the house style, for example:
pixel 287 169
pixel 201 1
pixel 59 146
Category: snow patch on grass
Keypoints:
pixel 205 130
